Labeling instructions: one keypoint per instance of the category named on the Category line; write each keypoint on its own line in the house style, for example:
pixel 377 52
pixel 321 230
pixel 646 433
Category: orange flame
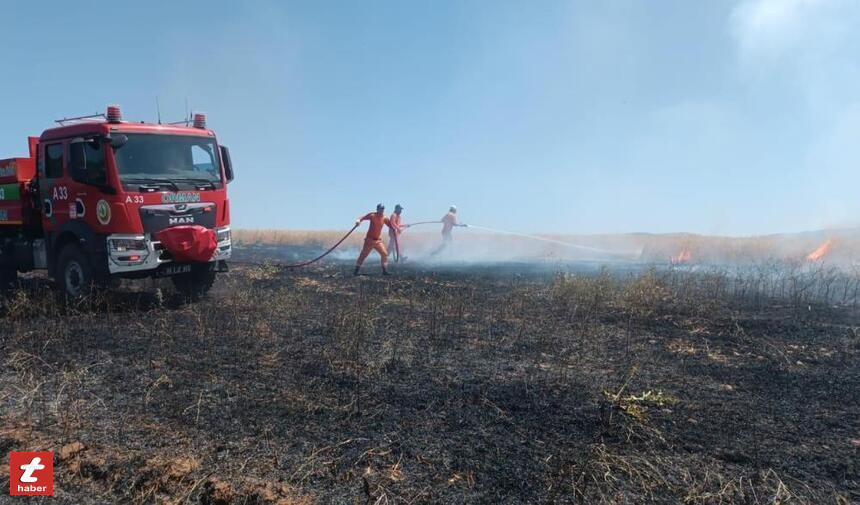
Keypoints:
pixel 821 252
pixel 685 256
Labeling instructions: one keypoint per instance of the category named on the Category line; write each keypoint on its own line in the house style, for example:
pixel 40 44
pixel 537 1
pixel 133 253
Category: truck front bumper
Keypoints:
pixel 138 253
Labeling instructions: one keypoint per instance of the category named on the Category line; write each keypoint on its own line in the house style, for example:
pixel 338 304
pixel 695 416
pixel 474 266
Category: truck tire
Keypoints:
pixel 195 284
pixel 74 273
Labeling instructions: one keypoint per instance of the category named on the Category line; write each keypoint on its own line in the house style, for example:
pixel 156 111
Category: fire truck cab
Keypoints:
pixel 100 198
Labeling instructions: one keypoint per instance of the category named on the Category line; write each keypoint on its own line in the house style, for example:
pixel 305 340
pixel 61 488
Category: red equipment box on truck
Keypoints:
pixel 15 175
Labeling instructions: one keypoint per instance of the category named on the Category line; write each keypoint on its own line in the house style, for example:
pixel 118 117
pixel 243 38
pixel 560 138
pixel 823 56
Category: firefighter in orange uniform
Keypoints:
pixel 395 230
pixel 373 239
pixel 449 221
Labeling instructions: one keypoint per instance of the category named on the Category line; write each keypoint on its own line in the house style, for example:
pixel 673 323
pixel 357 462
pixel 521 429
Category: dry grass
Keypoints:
pixel 441 387
pixel 649 248
pixel 320 240
pixel 303 238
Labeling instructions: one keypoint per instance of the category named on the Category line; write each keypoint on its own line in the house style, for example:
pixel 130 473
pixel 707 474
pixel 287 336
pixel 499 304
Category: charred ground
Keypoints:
pixel 494 385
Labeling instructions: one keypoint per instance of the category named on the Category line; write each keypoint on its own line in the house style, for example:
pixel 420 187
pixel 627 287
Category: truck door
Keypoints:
pixel 88 178
pixel 53 185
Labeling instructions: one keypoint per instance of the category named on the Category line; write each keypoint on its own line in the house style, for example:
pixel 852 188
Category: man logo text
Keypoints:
pixel 31 473
pixel 180 220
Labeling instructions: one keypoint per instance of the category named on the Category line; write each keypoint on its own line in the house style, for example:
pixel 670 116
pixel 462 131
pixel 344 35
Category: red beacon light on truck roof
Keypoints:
pixel 114 114
pixel 199 120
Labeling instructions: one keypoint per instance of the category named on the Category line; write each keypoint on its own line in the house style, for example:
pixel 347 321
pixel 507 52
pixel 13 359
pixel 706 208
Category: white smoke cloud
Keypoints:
pixel 807 51
pixel 811 42
pixel 767 28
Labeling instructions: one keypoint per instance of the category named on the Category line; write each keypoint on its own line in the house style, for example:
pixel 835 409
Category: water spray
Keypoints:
pixel 532 237
pixel 543 239
pixel 408 225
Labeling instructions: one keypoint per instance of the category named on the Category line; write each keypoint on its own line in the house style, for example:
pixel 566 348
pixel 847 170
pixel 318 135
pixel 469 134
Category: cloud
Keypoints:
pixel 810 46
pixel 769 27
pixel 805 49
pixel 774 29
pixel 805 53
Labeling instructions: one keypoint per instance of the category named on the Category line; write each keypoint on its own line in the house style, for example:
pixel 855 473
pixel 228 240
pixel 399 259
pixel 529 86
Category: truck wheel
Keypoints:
pixel 196 283
pixel 74 272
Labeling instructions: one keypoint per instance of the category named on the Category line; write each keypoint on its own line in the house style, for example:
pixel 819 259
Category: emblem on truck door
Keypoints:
pixel 103 212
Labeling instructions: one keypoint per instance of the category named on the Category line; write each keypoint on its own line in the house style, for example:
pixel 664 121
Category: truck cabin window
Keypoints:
pixel 95 162
pixel 180 160
pixel 90 154
pixel 54 161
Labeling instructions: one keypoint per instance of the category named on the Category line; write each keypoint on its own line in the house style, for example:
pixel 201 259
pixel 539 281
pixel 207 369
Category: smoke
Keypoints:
pixel 480 244
pixel 483 245
pixel 812 44
pixel 839 248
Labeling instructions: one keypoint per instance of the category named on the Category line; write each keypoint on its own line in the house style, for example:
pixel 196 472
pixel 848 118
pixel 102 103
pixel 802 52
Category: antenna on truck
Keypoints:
pixel 187 120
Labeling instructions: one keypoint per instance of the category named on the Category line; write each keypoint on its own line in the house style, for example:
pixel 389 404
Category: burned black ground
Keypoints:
pixel 454 385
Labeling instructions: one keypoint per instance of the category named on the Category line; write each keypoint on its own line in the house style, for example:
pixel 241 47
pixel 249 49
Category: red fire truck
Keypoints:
pixel 99 198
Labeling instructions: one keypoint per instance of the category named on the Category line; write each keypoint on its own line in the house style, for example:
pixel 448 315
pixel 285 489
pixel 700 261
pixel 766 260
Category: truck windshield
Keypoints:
pixel 168 157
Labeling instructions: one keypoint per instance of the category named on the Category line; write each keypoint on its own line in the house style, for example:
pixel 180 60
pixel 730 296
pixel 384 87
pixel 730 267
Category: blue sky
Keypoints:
pixel 583 117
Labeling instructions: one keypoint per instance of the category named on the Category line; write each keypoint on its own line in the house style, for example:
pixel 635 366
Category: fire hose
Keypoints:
pixel 408 225
pixel 323 255
pixel 335 246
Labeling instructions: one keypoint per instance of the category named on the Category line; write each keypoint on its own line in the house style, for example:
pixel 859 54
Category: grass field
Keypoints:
pixel 461 384
pixel 842 246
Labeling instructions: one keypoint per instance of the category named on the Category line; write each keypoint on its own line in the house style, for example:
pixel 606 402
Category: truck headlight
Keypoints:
pixel 126 244
pixel 223 235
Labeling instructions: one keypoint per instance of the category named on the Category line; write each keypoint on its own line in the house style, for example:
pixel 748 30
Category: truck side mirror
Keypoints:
pixel 228 164
pixel 78 161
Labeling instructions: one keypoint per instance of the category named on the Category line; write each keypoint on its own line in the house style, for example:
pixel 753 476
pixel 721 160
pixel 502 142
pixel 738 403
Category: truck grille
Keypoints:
pixel 159 217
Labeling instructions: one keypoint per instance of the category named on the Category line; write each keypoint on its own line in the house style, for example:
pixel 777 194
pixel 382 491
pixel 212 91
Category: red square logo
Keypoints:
pixel 31 473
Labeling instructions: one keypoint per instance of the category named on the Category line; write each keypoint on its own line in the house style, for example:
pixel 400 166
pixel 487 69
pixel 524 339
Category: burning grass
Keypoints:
pixel 442 387
pixel 821 251
pixel 835 247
